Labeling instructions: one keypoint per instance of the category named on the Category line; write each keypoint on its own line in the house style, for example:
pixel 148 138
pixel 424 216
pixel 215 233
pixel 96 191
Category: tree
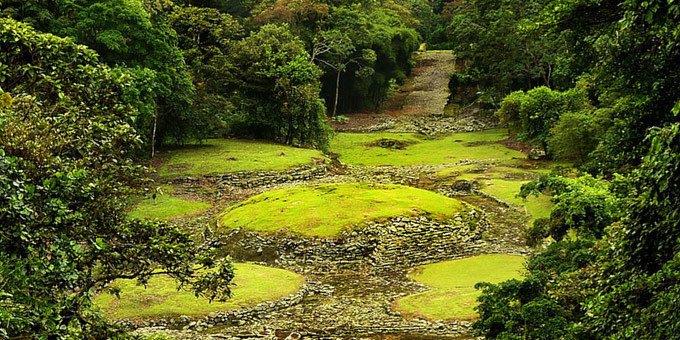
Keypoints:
pixel 67 141
pixel 532 114
pixel 584 205
pixel 207 38
pixel 334 50
pixel 278 89
pixel 125 34
pixel 383 44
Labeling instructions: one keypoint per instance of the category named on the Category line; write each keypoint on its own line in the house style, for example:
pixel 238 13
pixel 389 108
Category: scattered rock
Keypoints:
pixel 537 153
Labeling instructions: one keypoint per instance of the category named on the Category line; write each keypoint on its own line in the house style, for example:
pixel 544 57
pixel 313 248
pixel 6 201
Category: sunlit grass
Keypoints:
pixel 358 148
pixel 507 190
pixel 219 156
pixel 452 294
pixel 504 183
pixel 166 207
pixel 253 284
pixel 328 209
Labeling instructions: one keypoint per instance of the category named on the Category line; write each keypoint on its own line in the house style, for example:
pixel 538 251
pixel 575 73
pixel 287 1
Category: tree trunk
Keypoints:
pixel 337 92
pixel 153 135
pixel 289 135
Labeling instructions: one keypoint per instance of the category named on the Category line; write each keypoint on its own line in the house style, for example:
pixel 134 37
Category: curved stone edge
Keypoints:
pixel 396 243
pixel 232 317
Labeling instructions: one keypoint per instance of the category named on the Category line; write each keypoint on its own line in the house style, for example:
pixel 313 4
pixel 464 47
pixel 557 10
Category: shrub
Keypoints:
pixel 573 137
pixel 532 114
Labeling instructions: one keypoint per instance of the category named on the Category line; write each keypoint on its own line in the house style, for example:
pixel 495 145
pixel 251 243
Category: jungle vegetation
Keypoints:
pixel 89 90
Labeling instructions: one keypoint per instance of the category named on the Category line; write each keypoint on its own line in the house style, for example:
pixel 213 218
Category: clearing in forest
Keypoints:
pixel 326 210
pixel 504 182
pixel 166 206
pixel 404 149
pixel 308 208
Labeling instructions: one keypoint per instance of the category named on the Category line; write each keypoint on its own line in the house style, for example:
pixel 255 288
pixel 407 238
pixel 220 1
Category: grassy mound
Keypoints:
pixel 452 294
pixel 219 156
pixel 364 148
pixel 253 284
pixel 326 210
pixel 166 207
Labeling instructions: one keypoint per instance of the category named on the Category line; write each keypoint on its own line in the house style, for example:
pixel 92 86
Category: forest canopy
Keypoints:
pixel 193 61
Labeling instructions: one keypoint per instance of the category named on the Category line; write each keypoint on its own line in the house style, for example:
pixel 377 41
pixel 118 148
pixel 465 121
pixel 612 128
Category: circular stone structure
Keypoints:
pixel 252 285
pixel 326 210
pixel 352 225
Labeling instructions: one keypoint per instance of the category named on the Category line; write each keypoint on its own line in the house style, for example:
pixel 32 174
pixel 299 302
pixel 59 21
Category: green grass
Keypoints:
pixel 219 156
pixel 253 284
pixel 504 182
pixel 452 294
pixel 166 207
pixel 507 190
pixel 328 209
pixel 355 149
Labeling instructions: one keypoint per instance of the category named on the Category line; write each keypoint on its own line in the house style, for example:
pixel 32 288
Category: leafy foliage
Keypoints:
pixel 278 88
pixel 66 169
pixel 584 204
pixel 534 113
pixel 125 34
pixel 529 308
pixel 628 51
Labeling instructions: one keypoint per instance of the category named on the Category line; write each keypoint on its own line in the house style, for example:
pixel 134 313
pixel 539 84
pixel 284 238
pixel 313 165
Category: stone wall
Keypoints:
pixel 235 317
pixel 255 179
pixel 396 243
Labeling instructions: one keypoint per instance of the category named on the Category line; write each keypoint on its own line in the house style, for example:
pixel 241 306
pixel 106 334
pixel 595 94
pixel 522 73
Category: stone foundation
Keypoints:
pixel 393 244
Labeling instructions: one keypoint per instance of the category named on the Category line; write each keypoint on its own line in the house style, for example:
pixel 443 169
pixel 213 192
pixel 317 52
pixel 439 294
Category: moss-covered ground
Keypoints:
pixel 362 148
pixel 452 294
pixel 504 183
pixel 253 284
pixel 219 156
pixel 328 209
pixel 166 206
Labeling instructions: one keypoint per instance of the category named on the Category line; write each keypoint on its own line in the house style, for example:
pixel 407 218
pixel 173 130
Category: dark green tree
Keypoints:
pixel 277 94
pixel 125 34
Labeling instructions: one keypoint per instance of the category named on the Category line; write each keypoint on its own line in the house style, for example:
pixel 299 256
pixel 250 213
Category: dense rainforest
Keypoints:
pixel 91 90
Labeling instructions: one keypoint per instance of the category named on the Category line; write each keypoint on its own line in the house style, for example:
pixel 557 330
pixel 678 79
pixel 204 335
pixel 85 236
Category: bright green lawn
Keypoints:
pixel 219 156
pixel 507 190
pixel 326 210
pixel 452 294
pixel 166 207
pixel 354 148
pixel 253 284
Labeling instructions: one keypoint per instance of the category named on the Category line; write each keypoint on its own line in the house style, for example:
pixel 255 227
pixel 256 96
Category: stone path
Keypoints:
pixel 426 91
pixel 419 105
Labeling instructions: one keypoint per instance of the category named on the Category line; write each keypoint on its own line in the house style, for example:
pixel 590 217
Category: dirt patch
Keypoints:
pixel 480 143
pixel 514 144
